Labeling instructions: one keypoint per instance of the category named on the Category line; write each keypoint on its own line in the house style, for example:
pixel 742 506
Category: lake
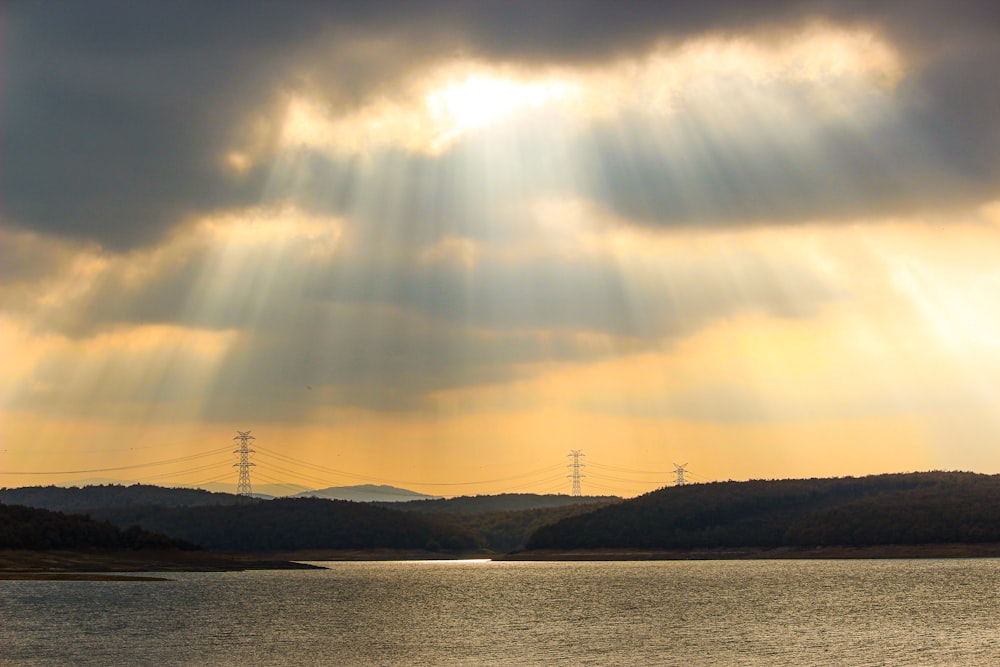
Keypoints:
pixel 847 612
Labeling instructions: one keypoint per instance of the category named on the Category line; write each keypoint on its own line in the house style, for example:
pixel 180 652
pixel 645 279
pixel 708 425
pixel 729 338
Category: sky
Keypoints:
pixel 441 244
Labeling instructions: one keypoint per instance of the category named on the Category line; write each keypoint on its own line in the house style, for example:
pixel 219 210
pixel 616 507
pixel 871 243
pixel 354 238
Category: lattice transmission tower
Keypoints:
pixel 679 471
pixel 243 485
pixel 575 467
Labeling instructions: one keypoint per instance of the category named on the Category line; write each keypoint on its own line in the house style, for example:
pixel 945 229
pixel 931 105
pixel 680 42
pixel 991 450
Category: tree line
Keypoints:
pixel 288 524
pixel 40 529
pixel 914 508
pixel 81 499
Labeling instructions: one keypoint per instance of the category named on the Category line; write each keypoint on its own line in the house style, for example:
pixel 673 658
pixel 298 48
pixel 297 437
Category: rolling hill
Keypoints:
pixel 38 529
pixel 289 524
pixel 914 508
pixel 503 502
pixel 212 520
pixel 367 493
pixel 80 499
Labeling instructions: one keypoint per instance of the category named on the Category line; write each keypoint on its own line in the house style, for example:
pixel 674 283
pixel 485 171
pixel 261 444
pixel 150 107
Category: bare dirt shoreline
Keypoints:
pixel 990 550
pixel 113 565
pixel 128 565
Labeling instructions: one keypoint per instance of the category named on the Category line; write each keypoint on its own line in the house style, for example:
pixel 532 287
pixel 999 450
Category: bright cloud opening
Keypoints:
pixel 448 101
pixel 479 101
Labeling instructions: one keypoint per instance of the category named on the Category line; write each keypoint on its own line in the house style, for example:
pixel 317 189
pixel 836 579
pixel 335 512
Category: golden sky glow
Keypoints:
pixel 443 260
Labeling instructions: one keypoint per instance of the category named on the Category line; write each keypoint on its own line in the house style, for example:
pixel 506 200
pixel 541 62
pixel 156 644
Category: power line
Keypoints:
pixel 561 477
pixel 629 470
pixel 367 478
pixel 325 476
pixel 621 479
pixel 187 471
pixel 179 459
pixel 212 480
pixel 273 481
pixel 327 481
pixel 608 489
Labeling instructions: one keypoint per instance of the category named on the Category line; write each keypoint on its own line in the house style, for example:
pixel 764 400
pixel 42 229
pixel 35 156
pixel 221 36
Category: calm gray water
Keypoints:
pixel 901 612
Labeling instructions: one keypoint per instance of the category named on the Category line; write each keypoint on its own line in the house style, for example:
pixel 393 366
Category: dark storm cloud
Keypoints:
pixel 115 115
pixel 678 172
pixel 107 127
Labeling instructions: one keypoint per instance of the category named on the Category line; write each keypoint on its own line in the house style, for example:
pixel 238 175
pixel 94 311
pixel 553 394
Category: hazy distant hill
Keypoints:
pixel 260 489
pixel 287 524
pixel 366 493
pixel 916 508
pixel 503 502
pixel 75 499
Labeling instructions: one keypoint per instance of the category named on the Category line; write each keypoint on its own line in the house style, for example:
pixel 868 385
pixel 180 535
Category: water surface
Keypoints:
pixel 926 612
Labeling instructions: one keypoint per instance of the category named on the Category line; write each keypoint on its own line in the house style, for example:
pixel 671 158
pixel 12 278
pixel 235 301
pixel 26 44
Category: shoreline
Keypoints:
pixel 15 575
pixel 346 555
pixel 131 565
pixel 887 551
pixel 115 565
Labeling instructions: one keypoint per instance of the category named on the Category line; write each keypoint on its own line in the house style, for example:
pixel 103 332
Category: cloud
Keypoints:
pixel 389 200
pixel 568 269
pixel 120 122
pixel 831 124
pixel 298 302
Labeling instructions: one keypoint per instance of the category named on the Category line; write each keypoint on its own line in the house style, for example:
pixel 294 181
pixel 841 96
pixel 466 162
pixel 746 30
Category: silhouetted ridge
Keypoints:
pixel 39 529
pixel 502 502
pixel 287 524
pixel 914 508
pixel 79 499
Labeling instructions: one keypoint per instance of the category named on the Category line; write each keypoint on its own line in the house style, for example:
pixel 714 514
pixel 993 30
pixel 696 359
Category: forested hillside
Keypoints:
pixel 500 523
pixel 508 531
pixel 918 508
pixel 915 508
pixel 78 499
pixel 39 529
pixel 503 502
pixel 296 523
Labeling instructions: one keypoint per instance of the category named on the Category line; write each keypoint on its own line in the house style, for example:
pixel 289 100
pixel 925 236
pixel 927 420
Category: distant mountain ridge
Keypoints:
pixel 367 493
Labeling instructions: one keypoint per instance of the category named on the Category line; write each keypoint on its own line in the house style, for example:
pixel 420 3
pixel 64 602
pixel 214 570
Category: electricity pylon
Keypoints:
pixel 679 470
pixel 575 466
pixel 243 485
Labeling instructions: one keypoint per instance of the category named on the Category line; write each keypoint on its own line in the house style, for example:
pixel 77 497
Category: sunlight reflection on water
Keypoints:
pixel 482 613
